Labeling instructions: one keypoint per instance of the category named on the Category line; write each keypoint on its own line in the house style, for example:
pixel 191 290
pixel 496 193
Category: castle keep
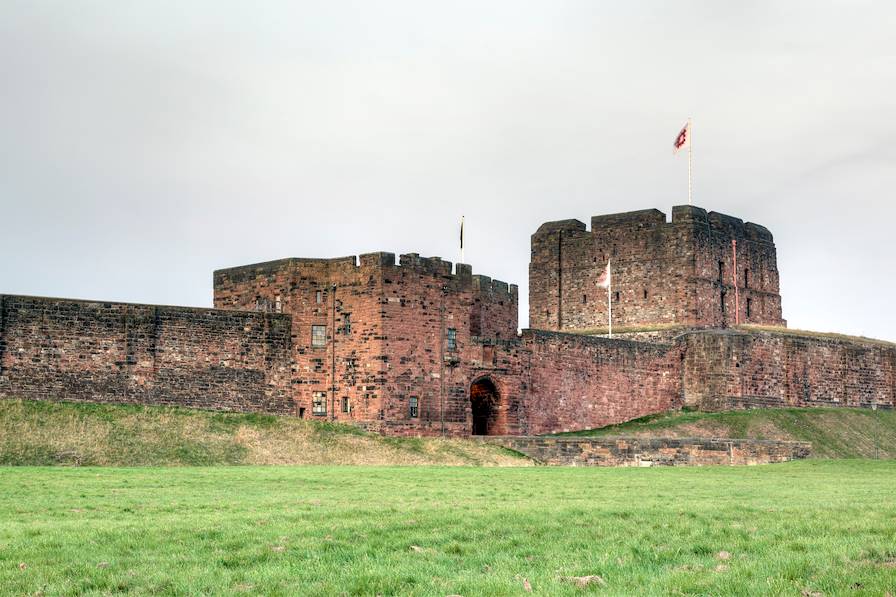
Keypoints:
pixel 417 345
pixel 686 272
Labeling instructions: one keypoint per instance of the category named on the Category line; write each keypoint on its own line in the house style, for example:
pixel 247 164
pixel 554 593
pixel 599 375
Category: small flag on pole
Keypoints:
pixel 605 278
pixel 683 140
pixel 461 239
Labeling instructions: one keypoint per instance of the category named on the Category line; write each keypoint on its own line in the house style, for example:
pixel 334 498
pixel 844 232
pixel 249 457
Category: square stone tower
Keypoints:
pixel 701 270
pixel 392 346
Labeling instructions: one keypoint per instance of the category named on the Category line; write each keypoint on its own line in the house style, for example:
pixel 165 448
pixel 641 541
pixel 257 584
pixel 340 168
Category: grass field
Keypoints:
pixel 833 432
pixel 805 528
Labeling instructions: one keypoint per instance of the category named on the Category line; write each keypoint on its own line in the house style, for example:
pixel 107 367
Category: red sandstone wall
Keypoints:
pixel 665 273
pixel 421 302
pixel 396 348
pixel 582 382
pixel 635 451
pixel 728 369
pixel 495 309
pixel 342 297
pixel 60 349
pixel 756 276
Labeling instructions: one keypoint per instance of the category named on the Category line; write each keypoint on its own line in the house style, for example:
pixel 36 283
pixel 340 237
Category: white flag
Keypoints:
pixel 683 140
pixel 605 278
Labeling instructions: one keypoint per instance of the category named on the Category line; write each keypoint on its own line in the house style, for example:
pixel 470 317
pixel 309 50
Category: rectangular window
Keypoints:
pixel 749 307
pixel 319 404
pixel 746 278
pixel 318 297
pixel 318 336
pixel 452 339
pixel 645 294
pixel 584 299
pixel 616 296
pixel 347 324
pixel 721 272
pixel 346 405
pixel 413 407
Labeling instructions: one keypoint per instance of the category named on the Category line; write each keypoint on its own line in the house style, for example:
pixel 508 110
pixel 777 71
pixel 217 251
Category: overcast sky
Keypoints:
pixel 145 144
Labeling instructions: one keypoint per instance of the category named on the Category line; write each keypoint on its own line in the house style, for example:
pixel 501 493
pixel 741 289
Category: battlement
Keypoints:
pixel 642 218
pixel 457 276
pixel 561 226
pixel 242 273
pixel 718 222
pixel 486 285
pixel 653 218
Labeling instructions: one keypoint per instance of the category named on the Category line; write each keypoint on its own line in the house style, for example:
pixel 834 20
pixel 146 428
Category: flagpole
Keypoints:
pixel 690 144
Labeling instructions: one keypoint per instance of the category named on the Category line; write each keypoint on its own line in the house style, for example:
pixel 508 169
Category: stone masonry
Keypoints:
pixel 680 272
pixel 643 452
pixel 419 346
pixel 58 349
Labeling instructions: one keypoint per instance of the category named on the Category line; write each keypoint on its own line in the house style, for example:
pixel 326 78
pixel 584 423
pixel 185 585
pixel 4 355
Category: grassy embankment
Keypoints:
pixel 802 528
pixel 834 432
pixel 46 433
pixel 43 433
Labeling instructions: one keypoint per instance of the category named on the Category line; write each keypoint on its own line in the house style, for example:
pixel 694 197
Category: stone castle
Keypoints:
pixel 414 346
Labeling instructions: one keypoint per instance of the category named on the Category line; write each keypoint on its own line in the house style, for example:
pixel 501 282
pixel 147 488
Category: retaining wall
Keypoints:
pixel 635 451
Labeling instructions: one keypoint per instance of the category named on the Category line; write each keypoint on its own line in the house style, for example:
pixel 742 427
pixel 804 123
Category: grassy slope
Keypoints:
pixel 43 433
pixel 810 528
pixel 834 432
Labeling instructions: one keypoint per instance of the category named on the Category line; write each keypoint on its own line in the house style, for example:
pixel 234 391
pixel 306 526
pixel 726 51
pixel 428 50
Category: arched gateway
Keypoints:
pixel 485 403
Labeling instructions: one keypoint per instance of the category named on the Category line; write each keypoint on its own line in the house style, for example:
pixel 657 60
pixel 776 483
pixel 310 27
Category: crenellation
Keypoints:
pixel 463 271
pixel 689 214
pixel 725 224
pixel 482 283
pixel 380 259
pixel 646 218
pixel 561 226
pixel 758 233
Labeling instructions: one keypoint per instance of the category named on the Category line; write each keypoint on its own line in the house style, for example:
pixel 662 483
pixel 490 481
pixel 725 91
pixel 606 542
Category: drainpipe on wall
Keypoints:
pixel 442 360
pixel 734 280
pixel 333 360
pixel 560 281
pixel 2 329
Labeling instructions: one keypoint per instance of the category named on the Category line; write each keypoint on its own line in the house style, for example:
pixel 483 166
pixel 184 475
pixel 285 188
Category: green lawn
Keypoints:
pixel 803 528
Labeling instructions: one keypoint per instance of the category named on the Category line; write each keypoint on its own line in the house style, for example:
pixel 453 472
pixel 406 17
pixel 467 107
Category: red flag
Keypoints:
pixel 683 140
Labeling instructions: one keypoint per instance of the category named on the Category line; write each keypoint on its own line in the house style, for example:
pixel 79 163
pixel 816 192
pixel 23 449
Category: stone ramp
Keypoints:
pixel 639 451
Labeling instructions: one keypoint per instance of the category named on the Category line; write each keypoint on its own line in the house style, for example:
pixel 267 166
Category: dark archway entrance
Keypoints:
pixel 485 404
